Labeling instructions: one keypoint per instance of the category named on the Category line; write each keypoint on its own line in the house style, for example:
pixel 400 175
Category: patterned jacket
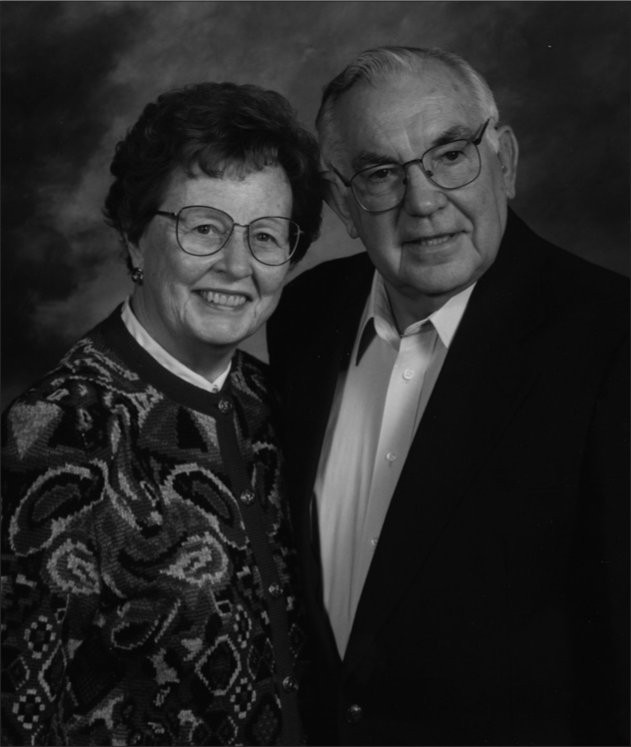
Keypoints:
pixel 148 591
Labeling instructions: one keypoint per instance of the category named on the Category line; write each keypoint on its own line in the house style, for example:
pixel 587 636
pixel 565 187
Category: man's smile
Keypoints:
pixel 430 241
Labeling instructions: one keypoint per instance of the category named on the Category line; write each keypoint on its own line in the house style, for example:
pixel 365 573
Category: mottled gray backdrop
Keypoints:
pixel 75 75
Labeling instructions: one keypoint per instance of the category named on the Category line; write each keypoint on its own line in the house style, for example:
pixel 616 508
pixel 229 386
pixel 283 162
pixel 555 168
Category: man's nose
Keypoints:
pixel 235 256
pixel 421 196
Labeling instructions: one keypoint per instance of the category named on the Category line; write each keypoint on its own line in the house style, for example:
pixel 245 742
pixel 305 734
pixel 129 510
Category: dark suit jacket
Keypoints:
pixel 496 608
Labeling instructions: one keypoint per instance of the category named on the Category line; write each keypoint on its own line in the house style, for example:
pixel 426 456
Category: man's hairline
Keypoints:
pixel 332 146
pixel 335 149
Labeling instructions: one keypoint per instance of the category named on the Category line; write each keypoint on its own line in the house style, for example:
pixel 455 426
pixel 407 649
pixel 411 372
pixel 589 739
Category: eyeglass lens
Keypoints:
pixel 448 166
pixel 203 231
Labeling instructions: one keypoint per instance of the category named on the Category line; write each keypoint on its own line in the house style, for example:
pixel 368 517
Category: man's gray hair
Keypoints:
pixel 382 61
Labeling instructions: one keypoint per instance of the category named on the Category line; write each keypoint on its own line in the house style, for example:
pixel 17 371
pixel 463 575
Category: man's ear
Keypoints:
pixel 508 155
pixel 338 197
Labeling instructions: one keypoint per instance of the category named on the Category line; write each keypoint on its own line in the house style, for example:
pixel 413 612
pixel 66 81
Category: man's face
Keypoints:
pixel 437 242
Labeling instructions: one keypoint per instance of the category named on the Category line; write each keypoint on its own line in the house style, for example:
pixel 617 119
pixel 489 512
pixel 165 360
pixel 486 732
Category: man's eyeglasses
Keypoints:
pixel 449 166
pixel 203 231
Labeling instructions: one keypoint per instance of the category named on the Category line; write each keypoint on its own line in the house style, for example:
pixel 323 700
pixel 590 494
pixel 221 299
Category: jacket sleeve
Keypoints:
pixel 50 577
pixel 602 556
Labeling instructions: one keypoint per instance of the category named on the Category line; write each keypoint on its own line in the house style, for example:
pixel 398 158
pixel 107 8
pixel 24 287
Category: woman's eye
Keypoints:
pixel 206 229
pixel 262 237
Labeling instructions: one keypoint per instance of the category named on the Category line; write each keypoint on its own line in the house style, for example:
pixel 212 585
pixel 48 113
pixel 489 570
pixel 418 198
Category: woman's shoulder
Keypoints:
pixel 71 404
pixel 250 382
pixel 249 372
pixel 92 368
pixel 76 378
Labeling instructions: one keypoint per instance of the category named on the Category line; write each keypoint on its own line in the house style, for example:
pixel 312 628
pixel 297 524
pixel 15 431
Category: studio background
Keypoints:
pixel 76 75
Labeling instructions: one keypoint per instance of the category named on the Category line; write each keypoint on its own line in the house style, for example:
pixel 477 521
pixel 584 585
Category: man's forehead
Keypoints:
pixel 422 109
pixel 432 80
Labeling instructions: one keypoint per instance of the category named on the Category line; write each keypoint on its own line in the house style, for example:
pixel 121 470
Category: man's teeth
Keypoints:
pixel 223 299
pixel 435 240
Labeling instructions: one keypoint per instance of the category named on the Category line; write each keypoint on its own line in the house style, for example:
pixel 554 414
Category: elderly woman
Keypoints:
pixel 149 590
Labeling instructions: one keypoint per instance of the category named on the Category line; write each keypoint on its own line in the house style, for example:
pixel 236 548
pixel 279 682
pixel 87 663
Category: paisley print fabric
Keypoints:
pixel 147 590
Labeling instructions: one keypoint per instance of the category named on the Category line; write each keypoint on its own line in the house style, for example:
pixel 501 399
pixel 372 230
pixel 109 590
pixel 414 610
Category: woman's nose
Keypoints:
pixel 235 256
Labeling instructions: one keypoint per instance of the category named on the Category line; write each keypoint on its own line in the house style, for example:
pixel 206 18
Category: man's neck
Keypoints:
pixel 408 310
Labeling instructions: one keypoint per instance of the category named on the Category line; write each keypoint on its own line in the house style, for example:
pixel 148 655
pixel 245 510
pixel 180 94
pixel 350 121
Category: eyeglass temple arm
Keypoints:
pixel 478 139
pixel 346 182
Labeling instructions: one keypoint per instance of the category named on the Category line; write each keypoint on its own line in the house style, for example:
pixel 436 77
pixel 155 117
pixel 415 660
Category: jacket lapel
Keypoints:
pixel 331 334
pixel 485 376
pixel 326 352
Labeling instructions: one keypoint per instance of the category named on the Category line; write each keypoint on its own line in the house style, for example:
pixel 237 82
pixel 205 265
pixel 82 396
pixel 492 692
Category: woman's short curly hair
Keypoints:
pixel 213 127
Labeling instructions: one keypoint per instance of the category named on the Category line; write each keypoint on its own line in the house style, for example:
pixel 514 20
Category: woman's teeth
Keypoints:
pixel 223 299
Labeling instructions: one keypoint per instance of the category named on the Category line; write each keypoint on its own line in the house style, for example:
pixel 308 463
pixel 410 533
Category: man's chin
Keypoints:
pixel 438 281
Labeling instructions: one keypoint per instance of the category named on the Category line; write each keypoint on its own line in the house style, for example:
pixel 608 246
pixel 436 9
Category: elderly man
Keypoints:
pixel 456 433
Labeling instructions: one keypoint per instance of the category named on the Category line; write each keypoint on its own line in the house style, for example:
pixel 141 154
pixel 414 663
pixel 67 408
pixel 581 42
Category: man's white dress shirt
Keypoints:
pixel 164 358
pixel 377 406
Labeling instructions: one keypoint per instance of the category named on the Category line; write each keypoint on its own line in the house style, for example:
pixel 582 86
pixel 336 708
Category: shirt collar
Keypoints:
pixel 378 318
pixel 164 358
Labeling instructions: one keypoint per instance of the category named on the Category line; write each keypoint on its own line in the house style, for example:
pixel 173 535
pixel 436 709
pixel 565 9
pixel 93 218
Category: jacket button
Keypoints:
pixel 290 684
pixel 274 590
pixel 247 497
pixel 354 713
pixel 225 405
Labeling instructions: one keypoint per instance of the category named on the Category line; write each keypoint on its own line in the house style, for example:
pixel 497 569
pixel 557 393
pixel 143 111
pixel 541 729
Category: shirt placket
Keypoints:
pixel 398 424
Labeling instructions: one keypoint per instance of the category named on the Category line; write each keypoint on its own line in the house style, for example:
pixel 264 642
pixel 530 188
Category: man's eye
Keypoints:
pixel 451 156
pixel 383 173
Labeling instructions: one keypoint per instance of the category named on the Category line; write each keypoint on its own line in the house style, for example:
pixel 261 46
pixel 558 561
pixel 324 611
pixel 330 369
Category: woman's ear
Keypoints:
pixel 338 197
pixel 508 155
pixel 135 253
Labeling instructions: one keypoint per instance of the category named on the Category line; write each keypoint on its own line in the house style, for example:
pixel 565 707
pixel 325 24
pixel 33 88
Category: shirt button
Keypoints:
pixel 354 713
pixel 374 541
pixel 391 457
pixel 289 684
pixel 274 590
pixel 408 374
pixel 247 497
pixel 224 405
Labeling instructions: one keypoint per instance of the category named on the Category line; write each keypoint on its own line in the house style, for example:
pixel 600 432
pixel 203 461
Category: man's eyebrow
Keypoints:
pixel 367 158
pixel 457 132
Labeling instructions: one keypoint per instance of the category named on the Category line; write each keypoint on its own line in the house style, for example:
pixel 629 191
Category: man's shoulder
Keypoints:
pixel 336 273
pixel 314 302
pixel 565 277
pixel 584 271
pixel 575 281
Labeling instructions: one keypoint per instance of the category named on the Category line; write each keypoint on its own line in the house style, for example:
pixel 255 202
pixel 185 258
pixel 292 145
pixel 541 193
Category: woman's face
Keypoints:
pixel 200 308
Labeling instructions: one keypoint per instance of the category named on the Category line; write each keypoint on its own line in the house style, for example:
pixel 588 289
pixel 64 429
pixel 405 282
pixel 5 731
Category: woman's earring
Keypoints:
pixel 137 275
